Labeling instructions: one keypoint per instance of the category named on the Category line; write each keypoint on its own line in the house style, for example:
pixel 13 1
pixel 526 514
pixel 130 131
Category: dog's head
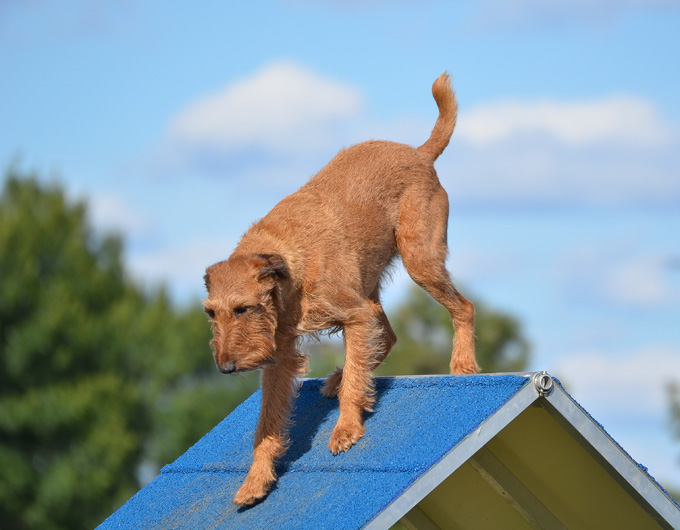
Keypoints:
pixel 243 305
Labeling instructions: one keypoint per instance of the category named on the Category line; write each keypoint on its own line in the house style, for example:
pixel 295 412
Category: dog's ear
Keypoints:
pixel 270 266
pixel 208 274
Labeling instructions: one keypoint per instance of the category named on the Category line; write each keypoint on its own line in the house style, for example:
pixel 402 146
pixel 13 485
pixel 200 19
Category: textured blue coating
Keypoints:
pixel 415 423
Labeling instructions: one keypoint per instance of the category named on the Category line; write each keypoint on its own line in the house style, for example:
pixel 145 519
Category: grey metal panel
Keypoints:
pixel 622 467
pixel 455 458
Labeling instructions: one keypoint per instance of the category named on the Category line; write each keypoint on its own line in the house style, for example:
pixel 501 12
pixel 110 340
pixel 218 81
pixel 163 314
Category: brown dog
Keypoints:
pixel 315 262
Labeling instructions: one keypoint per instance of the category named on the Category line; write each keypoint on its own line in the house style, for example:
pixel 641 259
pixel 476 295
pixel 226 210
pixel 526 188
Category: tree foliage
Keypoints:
pixel 673 390
pixel 424 340
pixel 96 375
pixel 674 400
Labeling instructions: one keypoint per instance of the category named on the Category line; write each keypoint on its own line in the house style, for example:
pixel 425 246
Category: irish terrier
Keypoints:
pixel 315 262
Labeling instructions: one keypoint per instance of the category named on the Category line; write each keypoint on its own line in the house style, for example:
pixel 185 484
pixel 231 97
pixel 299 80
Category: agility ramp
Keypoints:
pixel 510 451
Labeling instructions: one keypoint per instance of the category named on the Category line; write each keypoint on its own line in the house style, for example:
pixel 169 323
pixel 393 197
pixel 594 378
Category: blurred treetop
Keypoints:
pixel 97 376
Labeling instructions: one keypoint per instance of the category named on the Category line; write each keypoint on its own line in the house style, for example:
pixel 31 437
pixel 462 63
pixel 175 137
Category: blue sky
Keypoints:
pixel 181 123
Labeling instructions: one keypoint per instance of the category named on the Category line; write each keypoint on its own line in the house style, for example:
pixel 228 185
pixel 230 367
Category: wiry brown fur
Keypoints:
pixel 315 262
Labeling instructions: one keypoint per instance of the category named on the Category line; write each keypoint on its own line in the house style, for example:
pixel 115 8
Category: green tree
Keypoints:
pixel 674 417
pixel 674 398
pixel 424 338
pixel 92 368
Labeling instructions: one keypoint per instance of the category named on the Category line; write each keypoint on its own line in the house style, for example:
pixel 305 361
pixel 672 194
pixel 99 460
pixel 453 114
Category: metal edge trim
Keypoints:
pixel 632 478
pixel 425 376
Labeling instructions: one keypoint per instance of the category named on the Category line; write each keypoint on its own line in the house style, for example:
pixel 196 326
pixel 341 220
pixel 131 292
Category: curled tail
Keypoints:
pixel 446 122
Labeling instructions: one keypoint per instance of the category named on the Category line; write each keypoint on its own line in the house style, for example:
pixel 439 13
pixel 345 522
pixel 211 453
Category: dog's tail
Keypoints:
pixel 446 122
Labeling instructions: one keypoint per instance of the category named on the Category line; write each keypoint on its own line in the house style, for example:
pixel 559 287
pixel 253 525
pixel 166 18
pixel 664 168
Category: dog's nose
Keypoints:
pixel 227 368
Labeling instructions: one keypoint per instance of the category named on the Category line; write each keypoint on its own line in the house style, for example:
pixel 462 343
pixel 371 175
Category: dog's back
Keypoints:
pixel 378 172
pixel 351 208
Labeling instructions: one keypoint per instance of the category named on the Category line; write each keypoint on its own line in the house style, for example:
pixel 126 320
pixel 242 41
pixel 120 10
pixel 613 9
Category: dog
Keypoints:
pixel 315 262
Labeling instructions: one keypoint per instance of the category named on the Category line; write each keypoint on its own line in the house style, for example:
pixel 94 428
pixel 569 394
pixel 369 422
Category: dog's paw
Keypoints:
pixel 467 368
pixel 344 437
pixel 332 384
pixel 252 491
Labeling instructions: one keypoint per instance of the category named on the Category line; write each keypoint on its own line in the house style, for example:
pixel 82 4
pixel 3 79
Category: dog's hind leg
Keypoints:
pixel 385 342
pixel 279 387
pixel 421 240
pixel 364 335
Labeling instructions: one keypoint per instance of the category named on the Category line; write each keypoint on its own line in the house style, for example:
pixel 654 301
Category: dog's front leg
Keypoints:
pixel 279 385
pixel 356 393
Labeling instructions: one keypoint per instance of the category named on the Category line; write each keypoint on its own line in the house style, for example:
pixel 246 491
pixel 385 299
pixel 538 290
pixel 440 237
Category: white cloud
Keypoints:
pixel 644 281
pixel 111 212
pixel 618 274
pixel 622 120
pixel 544 173
pixel 182 266
pixel 285 122
pixel 625 385
pixel 283 108
pixel 611 151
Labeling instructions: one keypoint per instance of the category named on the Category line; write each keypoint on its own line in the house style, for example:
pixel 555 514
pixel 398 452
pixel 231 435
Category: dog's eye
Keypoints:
pixel 210 313
pixel 241 309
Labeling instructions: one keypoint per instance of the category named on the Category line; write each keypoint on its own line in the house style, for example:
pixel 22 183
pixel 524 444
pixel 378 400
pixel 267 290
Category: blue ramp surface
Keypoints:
pixel 415 423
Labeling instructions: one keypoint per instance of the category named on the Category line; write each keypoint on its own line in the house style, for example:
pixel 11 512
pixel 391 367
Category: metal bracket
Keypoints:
pixel 543 383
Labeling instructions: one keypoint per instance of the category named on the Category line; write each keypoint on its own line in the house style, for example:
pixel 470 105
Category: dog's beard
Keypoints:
pixel 249 356
pixel 253 366
pixel 244 348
